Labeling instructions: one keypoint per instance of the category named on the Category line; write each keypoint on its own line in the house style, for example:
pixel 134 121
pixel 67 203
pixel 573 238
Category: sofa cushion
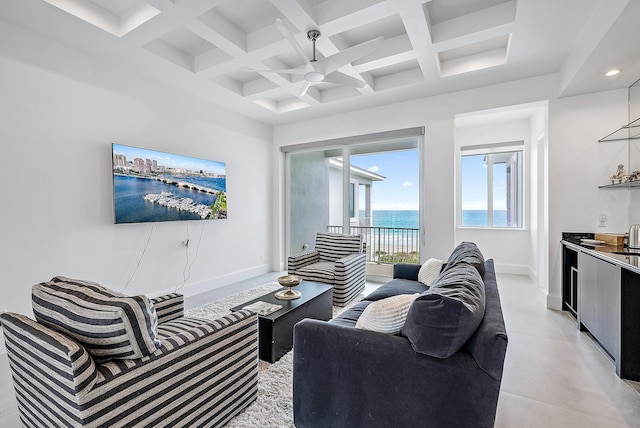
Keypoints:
pixel 395 287
pixel 445 316
pixel 386 315
pixel 429 271
pixel 350 316
pixel 108 324
pixel 467 252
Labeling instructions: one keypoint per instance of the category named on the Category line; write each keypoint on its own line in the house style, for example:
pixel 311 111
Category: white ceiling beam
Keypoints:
pixel 398 80
pixel 417 26
pixel 220 32
pixel 472 38
pixel 336 16
pixel 293 12
pixel 172 15
pixel 502 16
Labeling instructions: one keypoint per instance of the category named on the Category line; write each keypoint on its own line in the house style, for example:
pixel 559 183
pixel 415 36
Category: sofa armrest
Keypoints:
pixel 168 307
pixel 343 376
pixel 406 271
pixel 301 260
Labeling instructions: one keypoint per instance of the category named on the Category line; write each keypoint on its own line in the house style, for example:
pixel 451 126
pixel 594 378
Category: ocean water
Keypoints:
pixel 411 218
pixel 130 206
pixel 478 218
pixel 396 218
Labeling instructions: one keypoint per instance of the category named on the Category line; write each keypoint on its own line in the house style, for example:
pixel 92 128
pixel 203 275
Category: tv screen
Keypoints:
pixel 150 186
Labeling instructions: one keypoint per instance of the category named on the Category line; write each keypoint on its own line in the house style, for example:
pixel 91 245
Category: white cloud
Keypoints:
pixel 407 184
pixel 373 169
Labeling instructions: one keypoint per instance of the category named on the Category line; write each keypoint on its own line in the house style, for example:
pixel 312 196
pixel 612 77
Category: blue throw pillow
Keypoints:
pixel 467 252
pixel 445 316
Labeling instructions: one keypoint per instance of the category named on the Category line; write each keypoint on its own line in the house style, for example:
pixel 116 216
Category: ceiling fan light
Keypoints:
pixel 314 76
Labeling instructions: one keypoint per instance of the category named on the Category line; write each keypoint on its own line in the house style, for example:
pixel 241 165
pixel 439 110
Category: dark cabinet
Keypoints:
pixel 570 280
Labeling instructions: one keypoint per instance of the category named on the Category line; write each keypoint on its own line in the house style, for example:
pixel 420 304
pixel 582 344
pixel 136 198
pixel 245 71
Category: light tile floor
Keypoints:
pixel 554 376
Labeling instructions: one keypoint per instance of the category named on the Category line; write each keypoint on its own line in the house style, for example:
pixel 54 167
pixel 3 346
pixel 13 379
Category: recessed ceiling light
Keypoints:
pixel 613 72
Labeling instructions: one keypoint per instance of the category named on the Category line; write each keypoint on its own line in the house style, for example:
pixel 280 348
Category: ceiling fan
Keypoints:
pixel 325 69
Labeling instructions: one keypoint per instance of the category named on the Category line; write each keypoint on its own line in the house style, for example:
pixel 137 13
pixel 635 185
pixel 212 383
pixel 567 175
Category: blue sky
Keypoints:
pixel 171 160
pixel 474 184
pixel 400 189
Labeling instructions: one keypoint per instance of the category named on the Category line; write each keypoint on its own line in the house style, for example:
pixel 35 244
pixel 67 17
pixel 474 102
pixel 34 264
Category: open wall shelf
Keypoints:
pixel 630 131
pixel 620 185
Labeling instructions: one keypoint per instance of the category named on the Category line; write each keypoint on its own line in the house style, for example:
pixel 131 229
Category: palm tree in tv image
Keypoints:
pixel 219 207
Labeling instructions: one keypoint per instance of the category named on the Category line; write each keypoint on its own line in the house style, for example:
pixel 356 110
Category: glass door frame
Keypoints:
pixel 412 136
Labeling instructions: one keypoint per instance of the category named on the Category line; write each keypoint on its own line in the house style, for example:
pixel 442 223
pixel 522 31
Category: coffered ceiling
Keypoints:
pixel 221 50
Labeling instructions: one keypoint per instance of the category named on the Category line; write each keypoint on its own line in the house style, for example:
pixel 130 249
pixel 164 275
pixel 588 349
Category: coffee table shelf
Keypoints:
pixel 275 331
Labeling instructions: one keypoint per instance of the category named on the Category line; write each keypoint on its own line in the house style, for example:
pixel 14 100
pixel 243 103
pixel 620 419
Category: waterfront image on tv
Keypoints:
pixel 150 186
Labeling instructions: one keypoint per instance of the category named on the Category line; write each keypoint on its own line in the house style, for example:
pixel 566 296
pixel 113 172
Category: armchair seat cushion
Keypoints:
pixel 108 324
pixel 320 272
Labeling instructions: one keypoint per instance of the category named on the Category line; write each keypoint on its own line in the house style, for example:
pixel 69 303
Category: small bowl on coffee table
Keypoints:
pixel 289 281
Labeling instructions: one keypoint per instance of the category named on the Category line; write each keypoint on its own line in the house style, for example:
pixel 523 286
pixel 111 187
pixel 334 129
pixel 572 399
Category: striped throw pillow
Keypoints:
pixel 108 324
pixel 429 271
pixel 386 315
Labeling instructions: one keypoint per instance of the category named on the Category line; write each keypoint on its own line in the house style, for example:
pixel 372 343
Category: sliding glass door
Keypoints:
pixel 369 188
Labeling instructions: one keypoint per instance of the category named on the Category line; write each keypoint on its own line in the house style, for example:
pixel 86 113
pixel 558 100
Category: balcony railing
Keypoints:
pixel 387 245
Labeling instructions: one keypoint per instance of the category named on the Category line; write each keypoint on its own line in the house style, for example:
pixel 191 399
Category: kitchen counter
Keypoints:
pixel 606 252
pixel 602 289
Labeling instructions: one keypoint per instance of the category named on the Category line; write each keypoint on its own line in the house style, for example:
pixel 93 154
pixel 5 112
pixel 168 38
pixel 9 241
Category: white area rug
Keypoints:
pixel 274 406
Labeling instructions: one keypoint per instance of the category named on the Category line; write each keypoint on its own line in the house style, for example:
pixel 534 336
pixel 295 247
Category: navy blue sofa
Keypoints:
pixel 348 377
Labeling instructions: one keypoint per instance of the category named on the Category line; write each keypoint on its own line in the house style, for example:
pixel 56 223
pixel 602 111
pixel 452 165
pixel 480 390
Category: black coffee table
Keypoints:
pixel 275 331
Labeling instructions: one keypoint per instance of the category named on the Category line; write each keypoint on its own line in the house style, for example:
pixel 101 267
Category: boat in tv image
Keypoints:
pixel 150 186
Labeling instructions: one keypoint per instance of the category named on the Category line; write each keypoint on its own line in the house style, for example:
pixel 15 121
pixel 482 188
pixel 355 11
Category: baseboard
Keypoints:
pixel 554 301
pixel 512 269
pixel 213 283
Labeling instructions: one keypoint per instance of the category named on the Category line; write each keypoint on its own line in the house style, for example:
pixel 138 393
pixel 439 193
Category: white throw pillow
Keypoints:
pixel 386 315
pixel 429 271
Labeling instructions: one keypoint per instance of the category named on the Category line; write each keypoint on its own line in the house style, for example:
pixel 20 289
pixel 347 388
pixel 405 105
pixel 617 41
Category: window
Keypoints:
pixel 491 186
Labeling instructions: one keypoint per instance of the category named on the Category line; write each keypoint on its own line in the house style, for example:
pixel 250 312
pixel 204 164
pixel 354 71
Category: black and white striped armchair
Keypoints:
pixel 336 260
pixel 95 358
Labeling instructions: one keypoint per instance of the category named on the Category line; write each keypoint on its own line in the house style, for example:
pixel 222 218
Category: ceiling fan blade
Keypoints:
pixel 287 35
pixel 305 88
pixel 345 80
pixel 342 58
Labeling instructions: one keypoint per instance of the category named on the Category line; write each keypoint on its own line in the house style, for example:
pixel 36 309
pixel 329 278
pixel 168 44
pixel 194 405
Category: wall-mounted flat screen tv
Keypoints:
pixel 150 186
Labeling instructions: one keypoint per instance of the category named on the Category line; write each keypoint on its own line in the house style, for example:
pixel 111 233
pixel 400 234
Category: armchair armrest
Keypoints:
pixel 406 271
pixel 301 260
pixel 47 357
pixel 168 307
pixel 349 266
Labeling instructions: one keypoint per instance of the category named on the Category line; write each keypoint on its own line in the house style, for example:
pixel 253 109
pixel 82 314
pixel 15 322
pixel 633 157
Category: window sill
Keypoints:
pixel 501 229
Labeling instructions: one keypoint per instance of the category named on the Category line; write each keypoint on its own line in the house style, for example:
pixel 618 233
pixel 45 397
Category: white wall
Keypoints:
pixel 60 110
pixel 577 163
pixel 437 114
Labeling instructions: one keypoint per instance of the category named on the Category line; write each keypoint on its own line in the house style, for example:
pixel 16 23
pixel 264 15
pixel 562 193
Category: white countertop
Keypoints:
pixel 605 252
